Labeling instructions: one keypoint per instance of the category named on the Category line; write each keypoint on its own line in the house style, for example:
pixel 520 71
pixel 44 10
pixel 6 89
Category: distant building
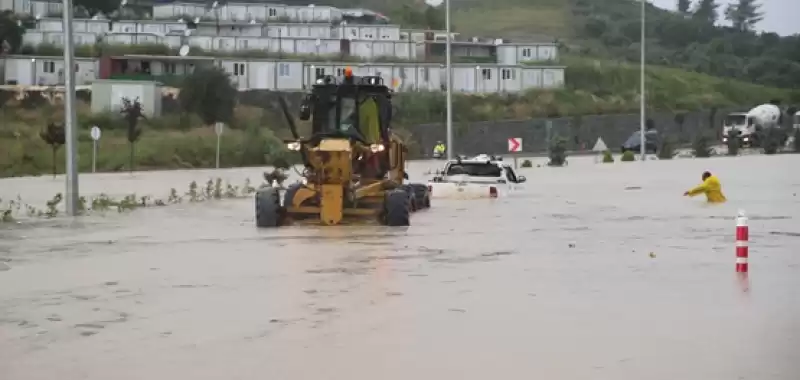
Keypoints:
pixel 308 33
pixel 285 75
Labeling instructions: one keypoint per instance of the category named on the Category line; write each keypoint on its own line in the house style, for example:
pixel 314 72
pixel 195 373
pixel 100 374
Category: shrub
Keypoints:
pixel 608 157
pixel 527 164
pixel 733 143
pixel 558 152
pixel 772 139
pixel 797 140
pixel 667 150
pixel 700 147
pixel 628 156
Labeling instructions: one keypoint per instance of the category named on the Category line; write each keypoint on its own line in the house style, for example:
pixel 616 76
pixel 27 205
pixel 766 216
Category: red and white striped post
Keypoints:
pixel 742 238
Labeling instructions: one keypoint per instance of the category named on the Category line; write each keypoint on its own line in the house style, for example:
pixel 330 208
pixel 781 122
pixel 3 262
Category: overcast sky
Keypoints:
pixel 780 16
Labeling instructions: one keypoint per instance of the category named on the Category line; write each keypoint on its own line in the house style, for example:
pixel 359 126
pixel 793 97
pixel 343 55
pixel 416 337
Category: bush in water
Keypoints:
pixel 666 151
pixel 558 152
pixel 797 140
pixel 700 147
pixel 608 157
pixel 213 189
pixel 527 164
pixel 733 144
pixel 772 139
pixel 628 156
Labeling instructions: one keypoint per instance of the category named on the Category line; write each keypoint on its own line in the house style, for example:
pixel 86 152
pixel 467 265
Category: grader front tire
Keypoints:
pixel 268 208
pixel 397 208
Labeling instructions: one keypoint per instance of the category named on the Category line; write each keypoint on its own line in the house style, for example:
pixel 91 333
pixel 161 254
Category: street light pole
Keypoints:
pixel 70 125
pixel 449 77
pixel 642 90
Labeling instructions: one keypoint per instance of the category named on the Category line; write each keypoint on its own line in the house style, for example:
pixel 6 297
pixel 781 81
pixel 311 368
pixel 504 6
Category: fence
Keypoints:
pixel 581 132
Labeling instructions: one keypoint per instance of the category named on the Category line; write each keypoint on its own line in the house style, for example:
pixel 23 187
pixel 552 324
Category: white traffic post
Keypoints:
pixel 95 132
pixel 218 128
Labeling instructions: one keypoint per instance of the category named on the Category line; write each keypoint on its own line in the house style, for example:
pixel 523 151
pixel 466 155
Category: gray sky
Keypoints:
pixel 780 16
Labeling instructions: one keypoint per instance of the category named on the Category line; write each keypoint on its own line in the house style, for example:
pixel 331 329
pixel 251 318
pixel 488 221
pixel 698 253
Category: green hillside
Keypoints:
pixel 611 29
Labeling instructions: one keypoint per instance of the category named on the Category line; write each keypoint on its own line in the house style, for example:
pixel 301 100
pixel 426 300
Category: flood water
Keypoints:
pixel 593 272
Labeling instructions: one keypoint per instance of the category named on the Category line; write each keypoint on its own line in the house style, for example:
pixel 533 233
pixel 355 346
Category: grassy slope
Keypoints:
pixel 513 18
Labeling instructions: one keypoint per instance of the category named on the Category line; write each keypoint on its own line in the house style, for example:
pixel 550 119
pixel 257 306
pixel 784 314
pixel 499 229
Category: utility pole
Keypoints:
pixel 449 76
pixel 70 128
pixel 642 104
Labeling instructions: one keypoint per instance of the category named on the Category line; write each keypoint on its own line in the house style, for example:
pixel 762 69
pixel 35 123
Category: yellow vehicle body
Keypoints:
pixel 347 178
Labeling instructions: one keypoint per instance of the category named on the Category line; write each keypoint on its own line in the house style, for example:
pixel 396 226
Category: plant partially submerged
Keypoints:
pixel 733 142
pixel 628 156
pixel 700 146
pixel 55 136
pixel 666 150
pixel 772 139
pixel 608 157
pixel 558 152
pixel 214 190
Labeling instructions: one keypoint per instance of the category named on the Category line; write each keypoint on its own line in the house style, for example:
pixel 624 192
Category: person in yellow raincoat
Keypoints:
pixel 710 187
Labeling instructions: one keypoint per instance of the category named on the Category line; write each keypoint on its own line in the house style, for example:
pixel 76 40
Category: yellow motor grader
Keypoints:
pixel 354 166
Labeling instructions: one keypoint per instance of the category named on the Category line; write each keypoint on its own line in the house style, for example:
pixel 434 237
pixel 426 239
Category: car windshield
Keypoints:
pixel 474 169
pixel 735 119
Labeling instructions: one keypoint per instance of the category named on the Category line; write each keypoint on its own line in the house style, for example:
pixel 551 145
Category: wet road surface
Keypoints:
pixel 593 272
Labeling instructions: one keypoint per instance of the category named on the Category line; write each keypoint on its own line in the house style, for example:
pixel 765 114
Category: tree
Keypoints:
pixel 684 7
pixel 706 12
pixel 132 111
pixel 744 15
pixel 11 32
pixel 94 7
pixel 54 136
pixel 209 93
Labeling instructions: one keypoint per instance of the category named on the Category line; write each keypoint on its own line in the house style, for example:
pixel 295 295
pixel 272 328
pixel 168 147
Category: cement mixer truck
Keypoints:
pixel 796 122
pixel 745 126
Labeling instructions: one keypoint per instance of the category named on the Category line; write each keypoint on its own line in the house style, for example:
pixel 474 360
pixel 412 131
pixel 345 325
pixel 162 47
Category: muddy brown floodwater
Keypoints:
pixel 593 272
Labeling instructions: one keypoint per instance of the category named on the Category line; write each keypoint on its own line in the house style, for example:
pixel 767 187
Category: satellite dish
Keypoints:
pixel 197 20
pixel 38 17
pixel 215 4
pixel 252 21
pixel 123 3
pixel 187 32
pixel 184 51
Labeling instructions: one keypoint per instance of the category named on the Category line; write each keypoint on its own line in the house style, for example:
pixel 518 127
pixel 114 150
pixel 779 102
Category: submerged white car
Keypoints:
pixel 482 176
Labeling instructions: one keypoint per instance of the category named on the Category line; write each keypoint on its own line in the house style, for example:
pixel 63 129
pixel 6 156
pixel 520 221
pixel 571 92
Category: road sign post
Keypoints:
pixel 95 133
pixel 514 147
pixel 219 127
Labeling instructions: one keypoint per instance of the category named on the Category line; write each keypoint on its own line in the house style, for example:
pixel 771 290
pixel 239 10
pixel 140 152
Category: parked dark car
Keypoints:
pixel 633 143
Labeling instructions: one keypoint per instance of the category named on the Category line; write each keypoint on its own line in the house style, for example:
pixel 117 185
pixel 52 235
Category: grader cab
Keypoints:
pixel 354 166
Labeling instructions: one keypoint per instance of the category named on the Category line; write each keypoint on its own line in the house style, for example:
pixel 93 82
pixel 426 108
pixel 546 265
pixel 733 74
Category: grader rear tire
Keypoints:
pixel 397 208
pixel 422 196
pixel 268 208
pixel 412 198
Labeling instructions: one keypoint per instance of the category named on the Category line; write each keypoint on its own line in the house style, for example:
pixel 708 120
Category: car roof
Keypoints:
pixel 479 159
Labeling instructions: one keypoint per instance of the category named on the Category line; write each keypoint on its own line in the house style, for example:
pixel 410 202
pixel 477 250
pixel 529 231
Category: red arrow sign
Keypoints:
pixel 514 144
